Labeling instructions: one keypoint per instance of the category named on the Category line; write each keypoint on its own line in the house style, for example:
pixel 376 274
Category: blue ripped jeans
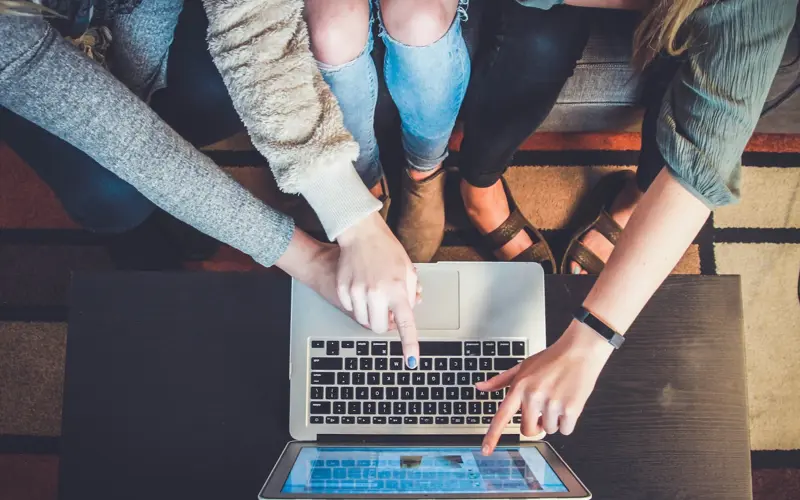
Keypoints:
pixel 427 84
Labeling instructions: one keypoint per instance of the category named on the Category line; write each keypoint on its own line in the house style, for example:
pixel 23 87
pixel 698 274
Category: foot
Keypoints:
pixel 420 227
pixel 621 211
pixel 487 208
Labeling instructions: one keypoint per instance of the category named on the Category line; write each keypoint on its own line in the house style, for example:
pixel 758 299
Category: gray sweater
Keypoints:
pixel 261 50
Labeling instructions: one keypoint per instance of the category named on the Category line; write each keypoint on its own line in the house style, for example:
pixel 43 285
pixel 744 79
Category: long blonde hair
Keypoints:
pixel 660 29
pixel 25 8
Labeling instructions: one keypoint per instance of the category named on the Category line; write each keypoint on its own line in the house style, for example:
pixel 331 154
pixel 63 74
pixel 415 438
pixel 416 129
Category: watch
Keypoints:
pixel 602 329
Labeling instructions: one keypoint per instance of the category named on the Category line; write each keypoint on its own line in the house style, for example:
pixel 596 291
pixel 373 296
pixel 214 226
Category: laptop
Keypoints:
pixel 364 423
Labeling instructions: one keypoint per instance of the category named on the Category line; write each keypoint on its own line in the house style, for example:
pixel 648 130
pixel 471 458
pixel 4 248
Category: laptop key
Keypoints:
pixel 331 420
pixel 518 348
pixel 486 420
pixel 501 364
pixel 449 378
pixel 346 392
pixel 320 408
pixel 489 348
pixel 471 364
pixel 460 408
pixel 365 364
pixel 362 348
pixel 455 364
pixel 380 348
pixel 445 408
pixel 403 378
pixel 437 393
pixel 373 378
pixel 369 407
pixel 451 393
pixel 491 375
pixel 395 420
pixel 332 348
pixel 343 378
pixel 418 379
pixel 440 364
pixel 422 420
pixel 376 393
pixel 517 419
pixel 399 408
pixel 434 378
pixel 348 420
pixel 339 408
pixel 396 364
pixel 429 408
pixel 332 393
pixel 407 393
pixel 410 420
pixel 387 379
pixel 351 364
pixel 358 378
pixel 323 378
pixel 348 344
pixel 442 420
pixel 481 396
pixel 498 395
pixel 463 378
pixel 392 393
pixel 489 407
pixel 317 344
pixel 475 408
pixel 473 420
pixel 467 393
pixel 472 348
pixel 504 348
pixel 478 377
pixel 362 393
pixel 316 419
pixel 426 364
pixel 362 420
pixel 457 420
pixel 485 364
pixel 382 364
pixel 422 393
pixel 379 420
pixel 430 348
pixel 384 408
pixel 354 408
pixel 317 393
pixel 414 408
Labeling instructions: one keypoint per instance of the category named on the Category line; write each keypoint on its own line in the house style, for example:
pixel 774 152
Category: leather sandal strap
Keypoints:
pixel 534 253
pixel 504 233
pixel 585 258
pixel 607 226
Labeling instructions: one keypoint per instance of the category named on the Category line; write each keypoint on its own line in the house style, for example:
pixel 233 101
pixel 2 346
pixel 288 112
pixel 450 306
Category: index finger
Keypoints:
pixel 407 327
pixel 504 415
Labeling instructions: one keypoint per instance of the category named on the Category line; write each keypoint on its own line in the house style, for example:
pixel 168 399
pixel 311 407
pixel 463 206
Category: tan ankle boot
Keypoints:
pixel 421 225
pixel 384 198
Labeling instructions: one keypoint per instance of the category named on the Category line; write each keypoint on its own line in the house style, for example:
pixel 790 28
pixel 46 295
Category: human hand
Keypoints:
pixel 551 387
pixel 377 282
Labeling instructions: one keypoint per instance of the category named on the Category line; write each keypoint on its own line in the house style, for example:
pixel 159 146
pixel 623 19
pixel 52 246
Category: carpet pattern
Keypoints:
pixel 758 239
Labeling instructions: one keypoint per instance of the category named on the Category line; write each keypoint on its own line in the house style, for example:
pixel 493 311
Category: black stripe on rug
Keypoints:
pixel 76 237
pixel 576 158
pixel 775 459
pixel 705 248
pixel 756 235
pixel 30 445
pixel 34 314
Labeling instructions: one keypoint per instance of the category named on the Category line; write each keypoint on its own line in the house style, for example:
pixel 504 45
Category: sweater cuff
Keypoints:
pixel 338 196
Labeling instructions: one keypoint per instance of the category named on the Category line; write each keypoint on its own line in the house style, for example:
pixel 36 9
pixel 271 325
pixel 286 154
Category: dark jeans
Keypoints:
pixel 523 58
pixel 195 103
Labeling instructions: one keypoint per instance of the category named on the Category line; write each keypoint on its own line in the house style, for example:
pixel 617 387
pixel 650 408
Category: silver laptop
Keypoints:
pixel 350 385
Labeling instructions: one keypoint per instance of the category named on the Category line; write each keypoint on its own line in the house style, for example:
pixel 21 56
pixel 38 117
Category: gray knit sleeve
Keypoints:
pixel 48 82
pixel 713 104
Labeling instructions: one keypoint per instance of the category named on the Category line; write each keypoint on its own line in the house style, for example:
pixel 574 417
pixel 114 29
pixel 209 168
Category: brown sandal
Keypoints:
pixel 603 195
pixel 538 252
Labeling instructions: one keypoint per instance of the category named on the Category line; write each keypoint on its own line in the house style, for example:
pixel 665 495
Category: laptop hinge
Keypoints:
pixel 470 439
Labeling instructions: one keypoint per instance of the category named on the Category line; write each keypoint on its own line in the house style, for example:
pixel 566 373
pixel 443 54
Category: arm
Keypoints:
pixel 598 4
pixel 708 114
pixel 261 49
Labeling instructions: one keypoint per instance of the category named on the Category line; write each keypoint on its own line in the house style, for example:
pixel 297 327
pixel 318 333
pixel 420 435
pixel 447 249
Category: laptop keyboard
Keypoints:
pixel 367 382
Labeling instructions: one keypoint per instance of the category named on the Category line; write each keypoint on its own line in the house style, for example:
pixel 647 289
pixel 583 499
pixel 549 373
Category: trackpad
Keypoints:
pixel 439 309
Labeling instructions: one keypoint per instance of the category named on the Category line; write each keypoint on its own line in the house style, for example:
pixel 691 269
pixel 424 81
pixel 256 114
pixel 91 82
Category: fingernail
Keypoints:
pixel 485 450
pixel 576 270
pixel 412 362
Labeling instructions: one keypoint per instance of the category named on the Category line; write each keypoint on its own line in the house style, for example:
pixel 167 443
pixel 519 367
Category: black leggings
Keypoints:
pixel 523 58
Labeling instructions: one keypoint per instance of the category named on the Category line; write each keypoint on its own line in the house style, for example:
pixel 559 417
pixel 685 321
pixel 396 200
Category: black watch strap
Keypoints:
pixel 605 331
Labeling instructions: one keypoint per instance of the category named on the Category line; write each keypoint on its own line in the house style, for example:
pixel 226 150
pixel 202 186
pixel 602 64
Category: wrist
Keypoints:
pixel 365 228
pixel 586 343
pixel 300 256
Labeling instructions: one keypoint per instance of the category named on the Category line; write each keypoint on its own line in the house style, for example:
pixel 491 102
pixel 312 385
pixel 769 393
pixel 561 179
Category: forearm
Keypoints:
pixel 611 4
pixel 660 230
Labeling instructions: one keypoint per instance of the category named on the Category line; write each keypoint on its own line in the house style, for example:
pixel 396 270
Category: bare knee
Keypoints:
pixel 418 22
pixel 339 29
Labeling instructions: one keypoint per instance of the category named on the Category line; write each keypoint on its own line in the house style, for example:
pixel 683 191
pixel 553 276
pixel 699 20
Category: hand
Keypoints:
pixel 375 278
pixel 551 387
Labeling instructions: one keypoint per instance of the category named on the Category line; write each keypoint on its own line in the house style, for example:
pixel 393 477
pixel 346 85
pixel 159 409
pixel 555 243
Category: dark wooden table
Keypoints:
pixel 176 387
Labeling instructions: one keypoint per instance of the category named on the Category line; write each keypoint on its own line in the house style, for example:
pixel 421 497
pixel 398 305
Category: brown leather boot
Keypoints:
pixel 420 228
pixel 384 198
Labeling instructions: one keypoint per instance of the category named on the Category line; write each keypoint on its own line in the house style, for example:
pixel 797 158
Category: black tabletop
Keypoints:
pixel 177 387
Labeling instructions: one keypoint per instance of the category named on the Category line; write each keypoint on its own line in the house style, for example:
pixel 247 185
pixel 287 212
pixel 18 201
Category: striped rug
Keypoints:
pixel 758 239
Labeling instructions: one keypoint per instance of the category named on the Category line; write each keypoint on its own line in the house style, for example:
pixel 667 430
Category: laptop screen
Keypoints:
pixel 395 470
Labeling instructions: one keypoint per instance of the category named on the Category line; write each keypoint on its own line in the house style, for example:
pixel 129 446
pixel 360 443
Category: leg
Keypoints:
pixel 515 85
pixel 341 41
pixel 426 67
pixel 94 197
